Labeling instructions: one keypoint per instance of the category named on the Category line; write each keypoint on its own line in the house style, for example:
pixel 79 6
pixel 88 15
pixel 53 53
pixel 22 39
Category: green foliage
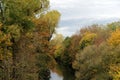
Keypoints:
pixel 56 44
pixel 26 49
pixel 96 58
pixel 44 74
pixel 44 69
pixel 88 65
pixel 23 36
pixel 22 12
pixel 24 8
pixel 65 55
pixel 96 62
pixel 111 59
pixel 67 41
pixel 113 26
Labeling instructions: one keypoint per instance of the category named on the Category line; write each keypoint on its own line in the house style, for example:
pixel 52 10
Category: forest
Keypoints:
pixel 28 50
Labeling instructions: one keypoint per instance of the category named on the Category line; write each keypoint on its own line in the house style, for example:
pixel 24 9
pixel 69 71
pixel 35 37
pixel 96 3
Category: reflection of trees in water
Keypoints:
pixel 68 73
pixel 62 73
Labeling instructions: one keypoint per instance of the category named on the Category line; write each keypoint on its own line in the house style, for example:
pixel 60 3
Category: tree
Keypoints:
pixel 115 71
pixel 26 36
pixel 89 64
pixel 56 45
pixel 45 27
pixel 87 39
pixel 114 25
pixel 17 11
pixel 114 39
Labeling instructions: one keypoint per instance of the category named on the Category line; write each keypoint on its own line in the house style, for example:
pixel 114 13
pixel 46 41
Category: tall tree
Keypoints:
pixel 27 36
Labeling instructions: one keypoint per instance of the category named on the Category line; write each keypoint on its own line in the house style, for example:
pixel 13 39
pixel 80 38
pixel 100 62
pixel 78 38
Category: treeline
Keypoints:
pixel 93 53
pixel 28 53
pixel 26 27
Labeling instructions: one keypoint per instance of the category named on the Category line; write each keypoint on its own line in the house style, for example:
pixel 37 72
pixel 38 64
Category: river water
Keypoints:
pixel 55 76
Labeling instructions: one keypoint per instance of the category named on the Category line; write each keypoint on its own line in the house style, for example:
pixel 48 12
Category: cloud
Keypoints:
pixel 85 8
pixel 66 30
pixel 83 12
pixel 67 3
pixel 70 27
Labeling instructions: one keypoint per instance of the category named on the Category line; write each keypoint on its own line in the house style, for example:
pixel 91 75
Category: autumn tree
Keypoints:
pixel 114 39
pixel 113 26
pixel 96 60
pixel 5 54
pixel 27 27
pixel 93 63
pixel 56 45
pixel 45 27
pixel 87 39
pixel 115 71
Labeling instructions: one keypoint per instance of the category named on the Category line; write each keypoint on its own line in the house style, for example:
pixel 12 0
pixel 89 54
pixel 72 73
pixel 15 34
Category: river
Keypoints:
pixel 55 76
pixel 62 74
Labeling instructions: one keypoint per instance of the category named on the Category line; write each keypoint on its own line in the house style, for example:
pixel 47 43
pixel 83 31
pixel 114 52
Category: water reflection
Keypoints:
pixel 55 76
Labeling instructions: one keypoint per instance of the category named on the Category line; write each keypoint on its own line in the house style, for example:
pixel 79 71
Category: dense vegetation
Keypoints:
pixel 28 53
pixel 26 27
pixel 93 53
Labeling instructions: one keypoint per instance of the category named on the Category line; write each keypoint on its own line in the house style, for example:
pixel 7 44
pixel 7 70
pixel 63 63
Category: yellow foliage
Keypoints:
pixel 50 19
pixel 114 39
pixel 29 34
pixel 115 71
pixel 9 54
pixel 88 36
pixel 5 39
pixel 87 39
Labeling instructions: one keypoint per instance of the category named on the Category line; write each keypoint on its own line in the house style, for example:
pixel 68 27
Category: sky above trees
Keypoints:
pixel 78 13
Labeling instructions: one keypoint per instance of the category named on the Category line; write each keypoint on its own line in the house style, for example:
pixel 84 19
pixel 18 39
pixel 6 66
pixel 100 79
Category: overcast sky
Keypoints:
pixel 78 13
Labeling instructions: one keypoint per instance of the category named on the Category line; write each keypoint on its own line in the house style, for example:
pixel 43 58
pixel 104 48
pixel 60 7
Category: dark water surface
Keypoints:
pixel 62 73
